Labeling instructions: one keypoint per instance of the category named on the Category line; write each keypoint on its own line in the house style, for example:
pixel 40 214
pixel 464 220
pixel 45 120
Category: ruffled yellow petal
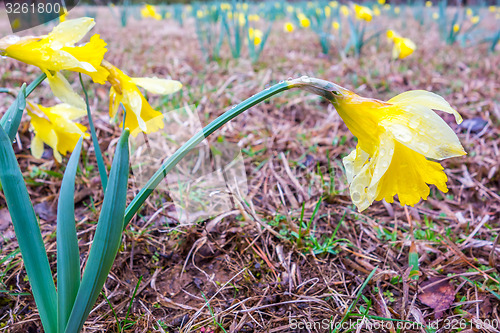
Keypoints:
pixel 149 120
pixel 44 132
pixel 92 54
pixel 157 86
pixel 62 89
pixel 408 176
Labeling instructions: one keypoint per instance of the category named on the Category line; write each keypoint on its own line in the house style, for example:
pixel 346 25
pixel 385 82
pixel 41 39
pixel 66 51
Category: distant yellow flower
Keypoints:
pixel 492 9
pixel 333 4
pixel 395 138
pixel 253 18
pixel 376 11
pixel 428 4
pixel 55 127
pixel 397 10
pixel 290 9
pixel 150 11
pixel 57 51
pixel 469 12
pixel 435 16
pixel 381 2
pixel 255 35
pixel 140 116
pixel 288 27
pixel 328 11
pixel 335 25
pixel 474 19
pixel 363 13
pixel 225 6
pixel 304 21
pixel 387 6
pixel 241 19
pixel 344 10
pixel 403 47
pixel 199 13
pixel 456 28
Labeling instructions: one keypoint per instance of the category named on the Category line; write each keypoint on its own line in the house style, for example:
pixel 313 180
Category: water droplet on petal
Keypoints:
pixel 414 122
pixel 356 197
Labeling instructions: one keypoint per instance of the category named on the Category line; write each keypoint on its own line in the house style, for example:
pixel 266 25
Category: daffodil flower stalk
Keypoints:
pixel 395 138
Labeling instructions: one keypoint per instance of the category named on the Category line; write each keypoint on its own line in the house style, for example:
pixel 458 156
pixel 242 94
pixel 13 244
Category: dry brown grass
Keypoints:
pixel 258 278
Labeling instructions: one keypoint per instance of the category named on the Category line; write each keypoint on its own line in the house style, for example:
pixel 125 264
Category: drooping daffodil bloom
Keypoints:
pixel 403 47
pixel 150 11
pixel 255 35
pixel 57 51
pixel 56 127
pixel 140 116
pixel 395 140
pixel 363 13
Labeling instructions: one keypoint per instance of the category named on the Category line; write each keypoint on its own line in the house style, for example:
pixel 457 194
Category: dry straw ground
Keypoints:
pixel 256 273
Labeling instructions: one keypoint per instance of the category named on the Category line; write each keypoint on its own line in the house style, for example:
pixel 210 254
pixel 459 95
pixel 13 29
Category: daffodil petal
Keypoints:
pixel 37 147
pixel 408 176
pixel 62 90
pixel 421 129
pixel 157 86
pixel 425 98
pixel 70 32
pixel 68 111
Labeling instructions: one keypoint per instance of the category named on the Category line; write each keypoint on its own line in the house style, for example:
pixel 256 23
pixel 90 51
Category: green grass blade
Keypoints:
pixel 106 240
pixel 172 161
pixel 28 235
pixel 100 161
pixel 12 118
pixel 68 256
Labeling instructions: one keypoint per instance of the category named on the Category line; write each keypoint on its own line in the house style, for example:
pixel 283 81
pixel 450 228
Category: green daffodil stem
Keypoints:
pixel 100 161
pixel 35 83
pixel 323 88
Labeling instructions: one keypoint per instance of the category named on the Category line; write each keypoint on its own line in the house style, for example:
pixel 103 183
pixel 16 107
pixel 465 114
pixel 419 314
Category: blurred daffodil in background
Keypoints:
pixel 56 127
pixel 403 47
pixel 140 116
pixel 149 11
pixel 255 36
pixel 288 27
pixel 395 138
pixel 363 13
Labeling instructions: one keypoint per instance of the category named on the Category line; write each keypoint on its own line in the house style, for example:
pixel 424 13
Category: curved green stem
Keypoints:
pixel 35 83
pixel 320 87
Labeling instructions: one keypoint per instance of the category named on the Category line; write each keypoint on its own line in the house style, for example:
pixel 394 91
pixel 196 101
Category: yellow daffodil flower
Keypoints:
pixel 304 21
pixel 376 11
pixel 140 116
pixel 456 28
pixel 428 4
pixel 57 51
pixel 363 13
pixel 55 127
pixel 288 27
pixel 150 11
pixel 255 35
pixel 474 19
pixel 397 10
pixel 381 2
pixel 395 138
pixel 492 9
pixel 469 12
pixel 333 4
pixel 335 25
pixel 328 11
pixel 403 47
pixel 344 10
pixel 435 16
pixel 253 18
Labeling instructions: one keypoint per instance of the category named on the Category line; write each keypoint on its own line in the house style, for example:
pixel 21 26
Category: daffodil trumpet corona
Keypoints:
pixel 396 139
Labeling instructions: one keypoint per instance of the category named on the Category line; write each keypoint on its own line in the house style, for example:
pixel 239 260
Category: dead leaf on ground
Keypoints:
pixel 5 219
pixel 438 295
